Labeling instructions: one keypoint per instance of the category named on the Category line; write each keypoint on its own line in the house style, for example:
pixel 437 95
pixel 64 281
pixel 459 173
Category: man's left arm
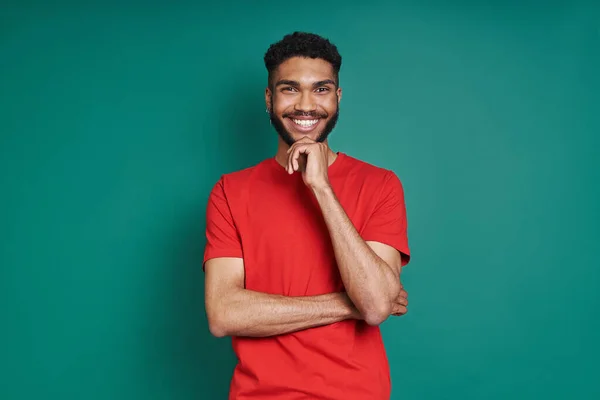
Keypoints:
pixel 369 262
pixel 370 270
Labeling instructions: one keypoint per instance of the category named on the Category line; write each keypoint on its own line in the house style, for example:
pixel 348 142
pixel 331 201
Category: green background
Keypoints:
pixel 116 119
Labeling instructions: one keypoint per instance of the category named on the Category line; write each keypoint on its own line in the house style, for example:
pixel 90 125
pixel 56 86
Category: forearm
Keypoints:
pixel 369 281
pixel 249 313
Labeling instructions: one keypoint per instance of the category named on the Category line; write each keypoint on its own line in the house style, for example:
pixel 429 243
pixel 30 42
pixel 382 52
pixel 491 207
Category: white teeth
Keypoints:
pixel 305 123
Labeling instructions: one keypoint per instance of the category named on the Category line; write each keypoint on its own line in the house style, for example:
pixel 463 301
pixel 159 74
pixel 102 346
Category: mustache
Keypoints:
pixel 313 114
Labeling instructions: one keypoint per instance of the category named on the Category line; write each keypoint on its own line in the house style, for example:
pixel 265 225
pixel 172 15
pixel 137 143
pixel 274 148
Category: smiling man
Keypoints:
pixel 304 250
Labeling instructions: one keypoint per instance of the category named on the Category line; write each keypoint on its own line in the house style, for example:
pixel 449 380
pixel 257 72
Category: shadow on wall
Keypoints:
pixel 202 363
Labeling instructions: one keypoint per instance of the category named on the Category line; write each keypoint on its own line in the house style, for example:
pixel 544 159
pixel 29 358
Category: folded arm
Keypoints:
pixel 233 310
pixel 370 270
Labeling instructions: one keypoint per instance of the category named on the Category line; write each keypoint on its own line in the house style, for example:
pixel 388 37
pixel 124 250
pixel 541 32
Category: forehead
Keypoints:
pixel 303 69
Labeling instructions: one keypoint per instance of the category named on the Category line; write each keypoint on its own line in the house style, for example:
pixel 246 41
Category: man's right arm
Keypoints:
pixel 233 310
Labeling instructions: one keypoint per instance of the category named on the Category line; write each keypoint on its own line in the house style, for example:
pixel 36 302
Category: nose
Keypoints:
pixel 306 103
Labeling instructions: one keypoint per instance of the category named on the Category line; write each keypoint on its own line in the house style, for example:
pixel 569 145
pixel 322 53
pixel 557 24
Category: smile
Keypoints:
pixel 305 123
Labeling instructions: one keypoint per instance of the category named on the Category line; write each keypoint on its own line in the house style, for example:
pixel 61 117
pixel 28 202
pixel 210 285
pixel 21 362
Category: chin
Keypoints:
pixel 313 136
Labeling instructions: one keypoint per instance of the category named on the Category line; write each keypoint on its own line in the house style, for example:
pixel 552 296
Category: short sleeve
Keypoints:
pixel 388 224
pixel 222 239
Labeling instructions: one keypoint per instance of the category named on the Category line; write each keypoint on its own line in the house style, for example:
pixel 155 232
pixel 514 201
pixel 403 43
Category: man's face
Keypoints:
pixel 303 100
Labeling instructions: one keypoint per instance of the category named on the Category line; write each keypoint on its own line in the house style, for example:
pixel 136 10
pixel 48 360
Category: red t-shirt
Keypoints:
pixel 273 221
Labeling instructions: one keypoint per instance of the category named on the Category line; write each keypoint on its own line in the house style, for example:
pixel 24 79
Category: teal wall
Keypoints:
pixel 117 119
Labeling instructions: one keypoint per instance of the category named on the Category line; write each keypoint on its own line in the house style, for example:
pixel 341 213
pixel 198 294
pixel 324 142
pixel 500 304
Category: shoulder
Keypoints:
pixel 383 183
pixel 237 180
pixel 368 172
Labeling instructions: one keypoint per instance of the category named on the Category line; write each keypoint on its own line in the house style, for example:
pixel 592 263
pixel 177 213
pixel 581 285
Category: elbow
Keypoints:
pixel 217 330
pixel 217 326
pixel 379 307
pixel 376 309
pixel 376 315
pixel 375 319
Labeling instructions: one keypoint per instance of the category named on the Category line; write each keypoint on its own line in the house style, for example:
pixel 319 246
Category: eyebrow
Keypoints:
pixel 324 82
pixel 296 83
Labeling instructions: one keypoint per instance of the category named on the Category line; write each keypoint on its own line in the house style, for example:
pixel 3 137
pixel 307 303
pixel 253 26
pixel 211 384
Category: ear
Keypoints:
pixel 268 98
pixel 339 94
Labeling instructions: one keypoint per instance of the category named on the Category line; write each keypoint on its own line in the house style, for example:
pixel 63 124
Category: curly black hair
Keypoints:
pixel 302 44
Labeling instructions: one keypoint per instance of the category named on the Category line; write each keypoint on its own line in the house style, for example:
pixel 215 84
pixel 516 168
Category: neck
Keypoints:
pixel 282 148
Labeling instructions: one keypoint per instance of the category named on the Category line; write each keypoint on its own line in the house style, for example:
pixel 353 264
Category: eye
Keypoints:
pixel 289 89
pixel 322 89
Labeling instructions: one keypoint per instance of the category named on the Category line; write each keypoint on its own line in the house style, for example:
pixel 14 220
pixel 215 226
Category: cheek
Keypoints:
pixel 330 99
pixel 330 104
pixel 282 103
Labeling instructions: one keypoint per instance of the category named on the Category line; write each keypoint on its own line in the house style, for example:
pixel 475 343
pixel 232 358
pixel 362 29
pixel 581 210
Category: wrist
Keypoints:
pixel 323 189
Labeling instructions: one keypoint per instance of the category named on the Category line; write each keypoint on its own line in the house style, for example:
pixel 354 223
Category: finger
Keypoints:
pixel 291 148
pixel 401 300
pixel 303 140
pixel 403 293
pixel 295 158
pixel 399 310
pixel 297 153
pixel 290 152
pixel 292 159
pixel 291 156
pixel 306 139
pixel 289 160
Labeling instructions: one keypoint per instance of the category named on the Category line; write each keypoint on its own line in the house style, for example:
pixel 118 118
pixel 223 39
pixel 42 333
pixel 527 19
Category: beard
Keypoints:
pixel 286 136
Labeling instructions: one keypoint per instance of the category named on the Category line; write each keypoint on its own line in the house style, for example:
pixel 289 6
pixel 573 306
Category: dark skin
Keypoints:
pixel 304 97
pixel 303 90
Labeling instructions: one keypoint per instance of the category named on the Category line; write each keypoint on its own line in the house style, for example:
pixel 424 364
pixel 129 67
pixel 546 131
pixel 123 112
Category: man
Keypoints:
pixel 304 250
